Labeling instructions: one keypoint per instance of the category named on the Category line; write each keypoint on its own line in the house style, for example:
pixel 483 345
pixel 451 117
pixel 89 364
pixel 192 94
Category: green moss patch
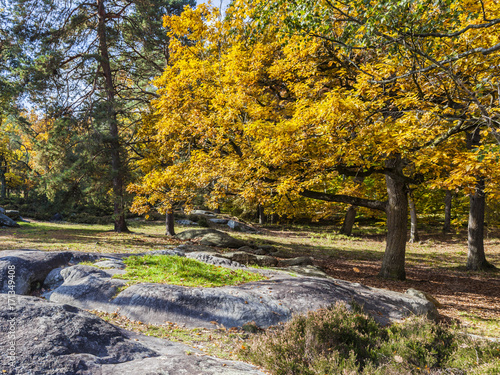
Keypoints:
pixel 183 271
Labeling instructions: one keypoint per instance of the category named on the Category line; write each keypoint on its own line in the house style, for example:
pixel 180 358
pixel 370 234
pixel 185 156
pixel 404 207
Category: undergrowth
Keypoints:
pixel 339 341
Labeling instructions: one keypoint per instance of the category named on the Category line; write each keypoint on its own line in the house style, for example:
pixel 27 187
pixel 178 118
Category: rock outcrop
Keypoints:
pixel 55 339
pixel 7 221
pixel 211 237
pixel 30 267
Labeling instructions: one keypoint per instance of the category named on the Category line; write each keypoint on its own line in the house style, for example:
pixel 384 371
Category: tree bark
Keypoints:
pixel 116 163
pixel 447 212
pixel 3 191
pixel 476 258
pixel 350 218
pixel 169 223
pixel 260 214
pixel 414 237
pixel 393 262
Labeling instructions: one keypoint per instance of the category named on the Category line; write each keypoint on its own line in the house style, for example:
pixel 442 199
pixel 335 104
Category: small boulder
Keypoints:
pixel 13 214
pixel 424 295
pixel 240 227
pixel 218 221
pixel 195 233
pixel 259 252
pixel 240 257
pixel 202 212
pixel 7 221
pixel 266 261
pixel 268 248
pixel 299 261
pixel 186 222
pixel 213 258
pixel 173 252
pixel 211 237
pixel 110 263
pixel 57 217
pixel 311 271
pixel 247 249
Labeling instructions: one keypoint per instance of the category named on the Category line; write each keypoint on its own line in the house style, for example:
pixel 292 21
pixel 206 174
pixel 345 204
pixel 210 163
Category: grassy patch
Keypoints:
pixel 62 236
pixel 182 271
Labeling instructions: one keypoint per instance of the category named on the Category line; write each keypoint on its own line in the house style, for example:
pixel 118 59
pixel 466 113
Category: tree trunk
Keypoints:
pixel 476 259
pixel 393 262
pixel 260 214
pixel 169 223
pixel 116 163
pixel 3 191
pixel 447 212
pixel 414 237
pixel 350 218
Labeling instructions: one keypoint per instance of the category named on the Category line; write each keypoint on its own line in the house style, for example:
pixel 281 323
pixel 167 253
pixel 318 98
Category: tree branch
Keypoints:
pixel 355 201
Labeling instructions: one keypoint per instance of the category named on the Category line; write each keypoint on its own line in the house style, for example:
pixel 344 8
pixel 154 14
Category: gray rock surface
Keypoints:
pixel 202 212
pixel 211 237
pixel 240 257
pixel 55 339
pixel 2 210
pixel 13 214
pixel 54 279
pixel 187 247
pixel 218 221
pixel 266 302
pixel 250 259
pixel 299 261
pixel 213 258
pixel 308 270
pixel 186 222
pixel 266 261
pixel 110 263
pixel 177 251
pixel 31 267
pixel 84 286
pixel 195 233
pixel 240 227
pixel 7 221
pixel 221 240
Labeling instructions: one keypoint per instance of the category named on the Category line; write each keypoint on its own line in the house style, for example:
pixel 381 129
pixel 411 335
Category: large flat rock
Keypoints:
pixel 266 302
pixel 60 339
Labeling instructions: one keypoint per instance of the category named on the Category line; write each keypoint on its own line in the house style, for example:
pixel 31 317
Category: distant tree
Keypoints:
pixel 92 63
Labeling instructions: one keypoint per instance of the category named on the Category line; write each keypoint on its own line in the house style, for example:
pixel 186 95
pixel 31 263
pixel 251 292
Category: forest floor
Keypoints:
pixel 436 264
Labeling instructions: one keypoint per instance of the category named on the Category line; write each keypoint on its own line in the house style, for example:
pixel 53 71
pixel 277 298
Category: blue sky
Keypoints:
pixel 214 2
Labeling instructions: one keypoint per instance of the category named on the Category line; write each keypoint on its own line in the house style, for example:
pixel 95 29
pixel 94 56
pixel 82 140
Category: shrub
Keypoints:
pixel 337 340
pixel 324 341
